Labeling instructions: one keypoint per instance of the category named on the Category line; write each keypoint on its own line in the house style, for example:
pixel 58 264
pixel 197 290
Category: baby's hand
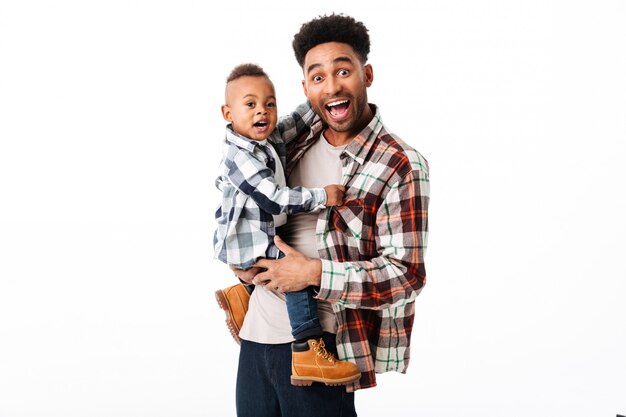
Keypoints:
pixel 334 194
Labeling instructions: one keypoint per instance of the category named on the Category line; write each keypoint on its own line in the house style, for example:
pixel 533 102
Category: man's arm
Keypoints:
pixel 392 279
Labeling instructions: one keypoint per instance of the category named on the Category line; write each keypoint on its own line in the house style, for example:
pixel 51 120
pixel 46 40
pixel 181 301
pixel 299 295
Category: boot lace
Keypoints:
pixel 320 349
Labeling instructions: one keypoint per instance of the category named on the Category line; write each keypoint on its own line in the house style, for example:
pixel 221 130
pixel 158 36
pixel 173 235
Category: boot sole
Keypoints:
pixel 222 301
pixel 307 382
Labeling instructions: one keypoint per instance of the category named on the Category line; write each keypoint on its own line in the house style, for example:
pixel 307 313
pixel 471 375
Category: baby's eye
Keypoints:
pixel 271 104
pixel 250 104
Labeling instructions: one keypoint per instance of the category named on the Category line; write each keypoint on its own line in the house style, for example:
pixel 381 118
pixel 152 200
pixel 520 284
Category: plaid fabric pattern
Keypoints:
pixel 250 196
pixel 372 248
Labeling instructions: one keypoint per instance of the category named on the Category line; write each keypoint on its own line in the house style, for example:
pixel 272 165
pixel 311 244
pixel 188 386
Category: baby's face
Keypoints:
pixel 251 106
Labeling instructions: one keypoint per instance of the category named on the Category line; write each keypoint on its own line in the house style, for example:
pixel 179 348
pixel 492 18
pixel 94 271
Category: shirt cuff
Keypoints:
pixel 333 280
pixel 319 197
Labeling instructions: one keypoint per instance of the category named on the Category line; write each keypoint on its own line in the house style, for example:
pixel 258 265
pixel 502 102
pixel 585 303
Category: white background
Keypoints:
pixel 110 128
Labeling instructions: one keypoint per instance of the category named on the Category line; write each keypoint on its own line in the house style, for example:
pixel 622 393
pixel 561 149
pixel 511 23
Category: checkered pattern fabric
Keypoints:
pixel 250 196
pixel 372 248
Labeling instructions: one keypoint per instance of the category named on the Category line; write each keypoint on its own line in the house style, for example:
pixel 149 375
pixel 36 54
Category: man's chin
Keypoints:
pixel 340 127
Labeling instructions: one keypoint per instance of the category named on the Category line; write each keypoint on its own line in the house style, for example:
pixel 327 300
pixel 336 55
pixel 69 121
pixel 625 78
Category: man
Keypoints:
pixel 366 257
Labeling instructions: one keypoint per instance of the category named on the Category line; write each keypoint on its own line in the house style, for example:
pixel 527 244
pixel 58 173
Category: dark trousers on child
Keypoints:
pixel 302 310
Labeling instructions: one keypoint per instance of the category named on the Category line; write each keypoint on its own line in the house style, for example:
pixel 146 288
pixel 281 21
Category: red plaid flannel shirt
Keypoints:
pixel 372 248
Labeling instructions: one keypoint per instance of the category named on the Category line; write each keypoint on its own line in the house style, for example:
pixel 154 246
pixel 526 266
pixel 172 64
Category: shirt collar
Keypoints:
pixel 240 141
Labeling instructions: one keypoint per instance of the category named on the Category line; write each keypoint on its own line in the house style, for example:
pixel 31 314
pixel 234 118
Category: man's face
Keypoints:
pixel 335 82
pixel 251 107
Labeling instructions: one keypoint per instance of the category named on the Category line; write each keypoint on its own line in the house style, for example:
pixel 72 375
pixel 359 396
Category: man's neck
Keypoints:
pixel 337 138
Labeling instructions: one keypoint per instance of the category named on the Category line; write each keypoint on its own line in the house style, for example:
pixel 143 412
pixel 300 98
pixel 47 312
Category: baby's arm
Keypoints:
pixel 298 122
pixel 252 177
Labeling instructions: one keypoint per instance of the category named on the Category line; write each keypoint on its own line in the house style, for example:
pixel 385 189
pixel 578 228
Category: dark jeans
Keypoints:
pixel 302 310
pixel 264 386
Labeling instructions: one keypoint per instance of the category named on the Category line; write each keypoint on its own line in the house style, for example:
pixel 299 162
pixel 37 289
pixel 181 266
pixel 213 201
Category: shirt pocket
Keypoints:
pixel 348 218
pixel 345 231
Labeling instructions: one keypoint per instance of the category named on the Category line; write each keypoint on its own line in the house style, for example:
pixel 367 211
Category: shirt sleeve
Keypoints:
pixel 297 123
pixel 397 275
pixel 251 176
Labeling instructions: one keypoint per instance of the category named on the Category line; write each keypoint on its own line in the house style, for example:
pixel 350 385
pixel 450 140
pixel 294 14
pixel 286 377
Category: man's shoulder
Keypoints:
pixel 398 153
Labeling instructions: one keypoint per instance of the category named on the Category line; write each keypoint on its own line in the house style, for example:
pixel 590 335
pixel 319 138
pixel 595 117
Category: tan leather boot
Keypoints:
pixel 311 362
pixel 234 301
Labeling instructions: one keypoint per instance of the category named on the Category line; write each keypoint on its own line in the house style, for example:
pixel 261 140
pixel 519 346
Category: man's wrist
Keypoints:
pixel 315 268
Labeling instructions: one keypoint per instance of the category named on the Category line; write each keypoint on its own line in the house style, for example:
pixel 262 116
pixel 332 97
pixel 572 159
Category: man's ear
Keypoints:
pixel 226 113
pixel 305 89
pixel 369 75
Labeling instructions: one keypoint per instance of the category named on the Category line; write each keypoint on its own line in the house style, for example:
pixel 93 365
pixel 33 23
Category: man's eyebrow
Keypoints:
pixel 335 61
pixel 342 59
pixel 312 67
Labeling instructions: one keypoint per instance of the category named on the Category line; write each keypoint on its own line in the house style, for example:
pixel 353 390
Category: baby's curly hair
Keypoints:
pixel 333 28
pixel 246 70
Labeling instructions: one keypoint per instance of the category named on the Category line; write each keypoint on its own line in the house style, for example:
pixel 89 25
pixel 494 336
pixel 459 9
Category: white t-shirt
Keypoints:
pixel 267 320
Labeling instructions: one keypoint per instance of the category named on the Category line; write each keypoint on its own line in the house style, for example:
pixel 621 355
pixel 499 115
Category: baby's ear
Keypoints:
pixel 226 113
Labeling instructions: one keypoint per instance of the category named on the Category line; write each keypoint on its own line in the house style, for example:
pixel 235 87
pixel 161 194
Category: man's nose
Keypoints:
pixel 332 86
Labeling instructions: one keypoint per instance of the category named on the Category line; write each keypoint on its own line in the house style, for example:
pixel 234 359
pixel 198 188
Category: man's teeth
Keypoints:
pixel 336 103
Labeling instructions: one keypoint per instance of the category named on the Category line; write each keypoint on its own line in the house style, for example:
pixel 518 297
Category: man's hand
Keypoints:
pixel 246 275
pixel 294 272
pixel 334 194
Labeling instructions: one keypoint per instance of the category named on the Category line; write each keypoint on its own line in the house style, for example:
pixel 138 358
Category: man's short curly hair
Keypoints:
pixel 246 70
pixel 333 28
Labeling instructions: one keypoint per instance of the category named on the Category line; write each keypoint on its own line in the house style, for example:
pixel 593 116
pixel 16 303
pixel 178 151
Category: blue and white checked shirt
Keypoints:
pixel 250 196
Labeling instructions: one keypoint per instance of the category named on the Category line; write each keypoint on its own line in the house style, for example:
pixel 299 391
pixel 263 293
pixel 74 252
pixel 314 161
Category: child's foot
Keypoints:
pixel 311 362
pixel 234 301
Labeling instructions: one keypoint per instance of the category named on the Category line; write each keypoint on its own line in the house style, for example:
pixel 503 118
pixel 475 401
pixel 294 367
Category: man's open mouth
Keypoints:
pixel 338 109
